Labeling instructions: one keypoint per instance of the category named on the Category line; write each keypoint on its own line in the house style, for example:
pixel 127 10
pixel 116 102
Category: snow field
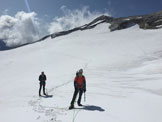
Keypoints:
pixel 122 68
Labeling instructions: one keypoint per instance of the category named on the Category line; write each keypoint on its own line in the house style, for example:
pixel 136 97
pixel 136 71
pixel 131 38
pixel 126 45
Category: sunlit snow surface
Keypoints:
pixel 123 71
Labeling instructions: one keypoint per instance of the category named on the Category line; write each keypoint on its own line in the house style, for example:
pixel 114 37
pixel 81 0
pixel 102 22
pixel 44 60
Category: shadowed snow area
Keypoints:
pixel 122 68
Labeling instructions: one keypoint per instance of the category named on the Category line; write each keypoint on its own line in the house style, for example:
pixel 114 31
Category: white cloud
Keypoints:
pixel 26 27
pixel 72 18
pixel 20 29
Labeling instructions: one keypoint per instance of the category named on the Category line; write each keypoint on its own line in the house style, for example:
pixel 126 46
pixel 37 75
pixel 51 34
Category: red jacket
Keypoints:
pixel 80 82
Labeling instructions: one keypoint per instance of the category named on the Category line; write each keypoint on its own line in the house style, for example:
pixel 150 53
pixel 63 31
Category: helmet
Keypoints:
pixel 81 71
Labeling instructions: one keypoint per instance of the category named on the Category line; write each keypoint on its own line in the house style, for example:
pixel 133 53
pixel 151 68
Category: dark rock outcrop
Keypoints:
pixel 95 22
pixel 151 21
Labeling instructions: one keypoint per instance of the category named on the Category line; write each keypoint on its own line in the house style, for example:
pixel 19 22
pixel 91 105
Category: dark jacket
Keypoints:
pixel 42 78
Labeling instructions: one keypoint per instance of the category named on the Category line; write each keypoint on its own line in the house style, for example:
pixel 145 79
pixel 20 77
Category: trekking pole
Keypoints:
pixel 84 97
pixel 46 91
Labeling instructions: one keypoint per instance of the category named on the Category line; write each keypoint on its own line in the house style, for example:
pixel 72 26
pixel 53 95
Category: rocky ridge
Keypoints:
pixel 150 21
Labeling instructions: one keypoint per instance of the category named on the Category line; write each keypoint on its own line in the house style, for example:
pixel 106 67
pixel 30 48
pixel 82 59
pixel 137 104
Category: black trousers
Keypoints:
pixel 42 84
pixel 77 90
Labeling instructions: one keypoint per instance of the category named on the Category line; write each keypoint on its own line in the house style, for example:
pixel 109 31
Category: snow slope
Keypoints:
pixel 123 71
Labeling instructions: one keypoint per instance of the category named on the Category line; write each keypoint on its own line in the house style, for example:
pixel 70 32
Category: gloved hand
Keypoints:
pixel 84 89
pixel 75 85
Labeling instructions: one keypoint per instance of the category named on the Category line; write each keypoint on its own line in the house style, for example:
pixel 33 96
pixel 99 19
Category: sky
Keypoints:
pixel 48 9
pixel 25 21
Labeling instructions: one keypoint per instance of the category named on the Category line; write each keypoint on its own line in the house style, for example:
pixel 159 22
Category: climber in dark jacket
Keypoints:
pixel 42 79
pixel 80 87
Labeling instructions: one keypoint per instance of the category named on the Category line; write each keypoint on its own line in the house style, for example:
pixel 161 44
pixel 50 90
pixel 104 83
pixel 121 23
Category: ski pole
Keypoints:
pixel 84 97
pixel 46 91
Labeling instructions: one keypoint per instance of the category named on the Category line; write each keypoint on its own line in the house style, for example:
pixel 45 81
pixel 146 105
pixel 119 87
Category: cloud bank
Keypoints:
pixel 21 29
pixel 72 18
pixel 26 27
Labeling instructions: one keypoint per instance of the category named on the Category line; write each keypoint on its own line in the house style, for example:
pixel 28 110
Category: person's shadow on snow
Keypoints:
pixel 93 108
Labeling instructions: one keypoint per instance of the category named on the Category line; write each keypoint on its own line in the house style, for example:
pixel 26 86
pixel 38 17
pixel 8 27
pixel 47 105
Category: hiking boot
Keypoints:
pixel 80 104
pixel 71 107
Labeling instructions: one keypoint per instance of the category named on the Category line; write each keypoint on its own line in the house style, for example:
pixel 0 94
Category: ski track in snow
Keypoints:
pixel 50 112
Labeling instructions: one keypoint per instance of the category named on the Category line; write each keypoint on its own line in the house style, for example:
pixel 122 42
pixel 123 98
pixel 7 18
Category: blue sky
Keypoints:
pixel 51 8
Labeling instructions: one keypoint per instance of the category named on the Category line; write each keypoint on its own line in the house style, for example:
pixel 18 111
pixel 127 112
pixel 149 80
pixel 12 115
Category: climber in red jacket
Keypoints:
pixel 80 87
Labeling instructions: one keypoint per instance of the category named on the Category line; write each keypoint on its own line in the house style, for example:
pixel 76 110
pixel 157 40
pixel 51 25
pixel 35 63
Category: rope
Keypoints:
pixel 75 114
